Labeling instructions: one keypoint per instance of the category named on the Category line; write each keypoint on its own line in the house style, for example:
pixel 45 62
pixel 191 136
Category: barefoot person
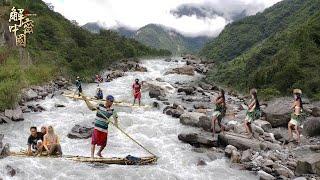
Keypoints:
pixel 219 112
pixel 51 142
pixel 253 112
pixel 136 91
pixel 295 121
pixel 35 140
pixel 103 116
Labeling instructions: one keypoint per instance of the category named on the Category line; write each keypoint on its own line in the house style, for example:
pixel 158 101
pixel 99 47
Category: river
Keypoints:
pixel 150 127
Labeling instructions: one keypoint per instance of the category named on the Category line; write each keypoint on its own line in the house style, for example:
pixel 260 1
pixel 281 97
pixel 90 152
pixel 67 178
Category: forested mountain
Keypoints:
pixel 275 51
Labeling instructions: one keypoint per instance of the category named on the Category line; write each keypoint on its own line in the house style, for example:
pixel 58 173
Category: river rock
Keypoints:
pixel 155 93
pixel 265 125
pixel 278 112
pixel 197 140
pixel 316 112
pixel 235 157
pixel 80 132
pixel 311 127
pixel 14 114
pixel 205 123
pixel 4 119
pixel 29 95
pixel 164 87
pixel 265 176
pixel 10 170
pixel 283 171
pixel 188 90
pixel 300 178
pixel 201 162
pixel 59 105
pixel 196 98
pixel 228 150
pixel 185 70
pixel 201 106
pixel 190 118
pixel 246 155
pixel 308 163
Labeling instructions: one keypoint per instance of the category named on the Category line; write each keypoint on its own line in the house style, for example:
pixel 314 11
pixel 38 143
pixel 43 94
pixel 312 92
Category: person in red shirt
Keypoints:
pixel 136 89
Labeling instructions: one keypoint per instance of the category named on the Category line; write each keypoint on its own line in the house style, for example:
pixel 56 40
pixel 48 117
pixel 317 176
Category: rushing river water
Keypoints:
pixel 150 127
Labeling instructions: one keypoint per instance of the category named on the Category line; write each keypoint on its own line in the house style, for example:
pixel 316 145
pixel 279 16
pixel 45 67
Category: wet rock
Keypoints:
pixel 190 118
pixel 196 98
pixel 115 74
pixel 161 98
pixel 185 70
pixel 29 95
pixel 235 156
pixel 228 150
pixel 316 112
pixel 204 123
pixel 311 127
pixel 80 132
pixel 187 90
pixel 4 119
pixel 197 140
pixel 14 114
pixel 300 178
pixel 246 155
pixel 201 106
pixel 265 176
pixel 155 105
pixel 163 87
pixel 265 125
pixel 59 105
pixel 278 112
pixel 10 170
pixel 283 171
pixel 308 164
pixel 201 162
pixel 166 103
pixel 160 80
pixel 155 93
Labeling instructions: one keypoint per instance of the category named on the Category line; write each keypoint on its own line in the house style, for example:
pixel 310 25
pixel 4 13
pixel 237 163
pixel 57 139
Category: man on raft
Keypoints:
pixel 103 116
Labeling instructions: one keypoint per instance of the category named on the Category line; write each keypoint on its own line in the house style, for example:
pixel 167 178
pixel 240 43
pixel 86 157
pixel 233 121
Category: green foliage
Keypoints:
pixel 287 58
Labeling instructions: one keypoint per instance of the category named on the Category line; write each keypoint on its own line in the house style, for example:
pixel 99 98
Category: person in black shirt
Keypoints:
pixel 35 142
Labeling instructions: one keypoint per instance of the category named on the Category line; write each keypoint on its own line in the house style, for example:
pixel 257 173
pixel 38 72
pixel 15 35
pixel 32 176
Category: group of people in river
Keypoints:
pixel 254 112
pixel 43 141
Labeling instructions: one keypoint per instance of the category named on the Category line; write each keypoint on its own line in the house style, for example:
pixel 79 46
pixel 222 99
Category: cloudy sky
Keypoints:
pixel 190 17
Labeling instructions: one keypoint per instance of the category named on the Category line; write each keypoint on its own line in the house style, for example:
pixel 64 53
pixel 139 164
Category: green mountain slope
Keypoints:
pixel 57 46
pixel 275 51
pixel 161 37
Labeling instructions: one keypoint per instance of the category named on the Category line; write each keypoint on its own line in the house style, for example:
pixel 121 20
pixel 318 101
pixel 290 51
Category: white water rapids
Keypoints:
pixel 150 127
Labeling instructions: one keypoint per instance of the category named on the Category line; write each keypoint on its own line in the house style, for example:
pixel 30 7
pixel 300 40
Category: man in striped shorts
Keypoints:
pixel 104 114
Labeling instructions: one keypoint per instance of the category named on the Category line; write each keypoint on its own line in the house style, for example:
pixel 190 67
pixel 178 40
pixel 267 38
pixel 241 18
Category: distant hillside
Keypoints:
pixel 57 47
pixel 159 37
pixel 275 51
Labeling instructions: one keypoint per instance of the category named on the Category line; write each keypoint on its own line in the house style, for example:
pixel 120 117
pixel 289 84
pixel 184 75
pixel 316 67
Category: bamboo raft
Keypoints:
pixel 117 103
pixel 112 160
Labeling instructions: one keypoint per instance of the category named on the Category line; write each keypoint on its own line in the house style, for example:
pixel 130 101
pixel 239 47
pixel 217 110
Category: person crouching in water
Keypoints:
pixel 136 88
pixel 103 117
pixel 51 142
pixel 253 112
pixel 99 94
pixel 219 112
pixel 35 145
pixel 295 121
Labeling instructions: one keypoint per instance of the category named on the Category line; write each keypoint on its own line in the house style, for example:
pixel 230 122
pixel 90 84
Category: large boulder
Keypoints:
pixel 4 119
pixel 316 112
pixel 14 114
pixel 278 112
pixel 311 127
pixel 80 132
pixel 29 95
pixel 265 125
pixel 155 93
pixel 163 87
pixel 309 163
pixel 4 148
pixel 197 140
pixel 188 90
pixel 185 70
pixel 190 118
pixel 205 123
pixel 265 176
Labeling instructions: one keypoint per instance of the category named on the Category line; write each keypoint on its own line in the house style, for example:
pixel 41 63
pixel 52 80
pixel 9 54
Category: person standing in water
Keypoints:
pixel 253 112
pixel 136 91
pixel 219 112
pixel 79 86
pixel 51 142
pixel 295 121
pixel 103 116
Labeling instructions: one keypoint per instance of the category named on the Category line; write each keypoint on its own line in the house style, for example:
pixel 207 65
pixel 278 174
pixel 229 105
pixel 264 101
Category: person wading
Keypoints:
pixel 136 91
pixel 104 114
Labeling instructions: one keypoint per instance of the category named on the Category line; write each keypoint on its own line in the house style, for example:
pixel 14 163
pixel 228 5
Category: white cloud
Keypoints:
pixel 137 13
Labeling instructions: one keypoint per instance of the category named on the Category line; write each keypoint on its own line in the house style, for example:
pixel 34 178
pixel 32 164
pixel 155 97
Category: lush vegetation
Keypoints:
pixel 59 46
pixel 275 51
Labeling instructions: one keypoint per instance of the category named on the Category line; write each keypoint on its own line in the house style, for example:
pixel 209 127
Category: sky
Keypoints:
pixel 189 17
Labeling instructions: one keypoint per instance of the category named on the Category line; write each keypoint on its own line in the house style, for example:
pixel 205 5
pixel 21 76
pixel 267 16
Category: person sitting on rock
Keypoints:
pixel 295 121
pixel 103 117
pixel 35 145
pixel 219 112
pixel 51 142
pixel 99 94
pixel 253 112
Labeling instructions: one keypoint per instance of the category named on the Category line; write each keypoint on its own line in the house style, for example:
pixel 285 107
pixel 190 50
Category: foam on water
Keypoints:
pixel 151 127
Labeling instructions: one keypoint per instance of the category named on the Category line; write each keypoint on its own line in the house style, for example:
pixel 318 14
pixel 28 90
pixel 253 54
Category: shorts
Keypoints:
pixel 295 119
pixel 137 95
pixel 218 115
pixel 99 138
